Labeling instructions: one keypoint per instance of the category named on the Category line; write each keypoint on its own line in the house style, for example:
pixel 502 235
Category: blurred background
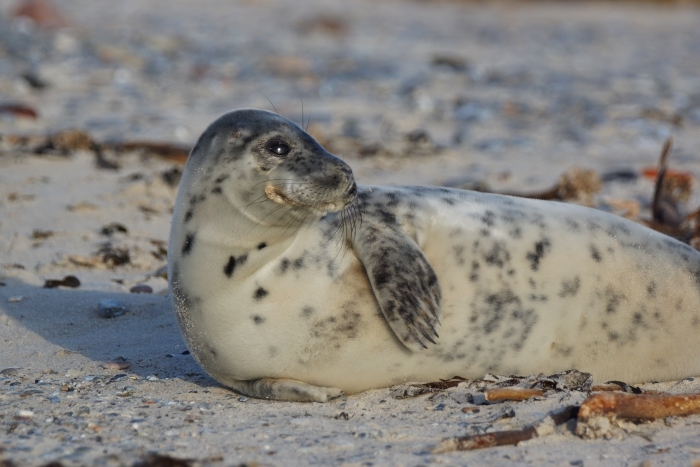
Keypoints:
pixel 496 91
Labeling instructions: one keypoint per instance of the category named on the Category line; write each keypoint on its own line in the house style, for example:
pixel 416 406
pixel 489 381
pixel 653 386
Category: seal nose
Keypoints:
pixel 341 179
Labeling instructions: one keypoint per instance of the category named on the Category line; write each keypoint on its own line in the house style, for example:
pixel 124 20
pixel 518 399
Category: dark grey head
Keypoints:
pixel 260 160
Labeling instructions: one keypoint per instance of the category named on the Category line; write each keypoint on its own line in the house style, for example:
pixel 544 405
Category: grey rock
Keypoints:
pixel 108 308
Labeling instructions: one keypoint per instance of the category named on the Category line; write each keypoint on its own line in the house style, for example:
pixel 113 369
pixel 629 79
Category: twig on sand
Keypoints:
pixel 509 437
pixel 664 209
pixel 511 394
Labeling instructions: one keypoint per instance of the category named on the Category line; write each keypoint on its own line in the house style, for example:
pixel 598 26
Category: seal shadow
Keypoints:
pixel 54 328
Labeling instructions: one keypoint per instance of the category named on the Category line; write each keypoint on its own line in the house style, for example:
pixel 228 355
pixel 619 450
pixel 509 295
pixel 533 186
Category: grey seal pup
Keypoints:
pixel 291 282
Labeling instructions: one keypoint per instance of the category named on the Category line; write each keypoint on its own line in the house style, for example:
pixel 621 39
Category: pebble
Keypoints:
pixel 10 372
pixel 117 364
pixel 15 299
pixel 108 308
pixel 141 288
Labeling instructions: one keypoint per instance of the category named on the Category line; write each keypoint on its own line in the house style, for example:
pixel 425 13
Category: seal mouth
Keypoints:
pixel 276 194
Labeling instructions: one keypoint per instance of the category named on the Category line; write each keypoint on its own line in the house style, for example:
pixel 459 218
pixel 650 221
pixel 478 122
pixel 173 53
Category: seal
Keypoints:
pixel 291 282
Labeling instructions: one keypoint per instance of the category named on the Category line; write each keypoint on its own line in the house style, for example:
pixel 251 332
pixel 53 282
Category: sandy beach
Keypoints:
pixel 99 106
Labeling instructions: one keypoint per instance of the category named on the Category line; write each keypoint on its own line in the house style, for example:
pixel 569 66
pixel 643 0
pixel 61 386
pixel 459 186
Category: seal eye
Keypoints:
pixel 278 148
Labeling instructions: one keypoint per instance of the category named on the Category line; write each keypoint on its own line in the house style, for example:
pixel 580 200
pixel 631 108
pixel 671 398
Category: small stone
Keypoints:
pixel 141 288
pixel 118 363
pixel 109 308
pixel 152 378
pixel 15 299
pixel 242 399
pixel 68 281
pixel 10 372
pixel 25 414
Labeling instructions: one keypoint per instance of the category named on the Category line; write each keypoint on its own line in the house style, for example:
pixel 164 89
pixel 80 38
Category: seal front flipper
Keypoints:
pixel 283 390
pixel 404 282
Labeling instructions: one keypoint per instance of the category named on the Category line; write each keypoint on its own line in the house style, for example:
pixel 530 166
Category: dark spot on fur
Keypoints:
pixel 540 249
pixel 474 275
pixel 516 233
pixel 651 289
pixel 497 304
pixel 562 351
pixel 284 265
pixel 221 178
pixel 458 254
pixel 570 287
pixel 273 351
pixel 498 255
pixel 307 311
pixel 595 254
pixel 216 190
pixel 572 224
pixel 489 218
pixel 393 199
pixel 230 266
pixel 260 293
pixel 189 243
pixel 614 300
pixel 262 245
pixel 298 263
pixel 188 216
pixel 258 319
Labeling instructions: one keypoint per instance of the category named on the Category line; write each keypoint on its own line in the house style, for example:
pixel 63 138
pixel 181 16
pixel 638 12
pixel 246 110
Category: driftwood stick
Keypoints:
pixel 643 406
pixel 511 394
pixel 502 438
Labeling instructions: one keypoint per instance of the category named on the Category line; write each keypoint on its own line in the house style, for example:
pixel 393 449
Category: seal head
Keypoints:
pixel 277 161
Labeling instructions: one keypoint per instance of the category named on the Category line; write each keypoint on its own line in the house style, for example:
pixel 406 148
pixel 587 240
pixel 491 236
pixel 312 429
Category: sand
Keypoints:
pixel 507 96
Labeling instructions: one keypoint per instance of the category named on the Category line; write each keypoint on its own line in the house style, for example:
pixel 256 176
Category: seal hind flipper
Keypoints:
pixel 404 283
pixel 283 390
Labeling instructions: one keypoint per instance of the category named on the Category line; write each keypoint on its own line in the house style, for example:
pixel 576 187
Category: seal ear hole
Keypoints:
pixel 278 147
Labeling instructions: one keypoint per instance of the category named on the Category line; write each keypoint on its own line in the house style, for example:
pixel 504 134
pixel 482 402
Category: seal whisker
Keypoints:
pixel 273 105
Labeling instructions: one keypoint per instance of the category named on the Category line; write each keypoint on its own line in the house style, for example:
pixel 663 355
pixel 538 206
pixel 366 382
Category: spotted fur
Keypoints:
pixel 289 281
